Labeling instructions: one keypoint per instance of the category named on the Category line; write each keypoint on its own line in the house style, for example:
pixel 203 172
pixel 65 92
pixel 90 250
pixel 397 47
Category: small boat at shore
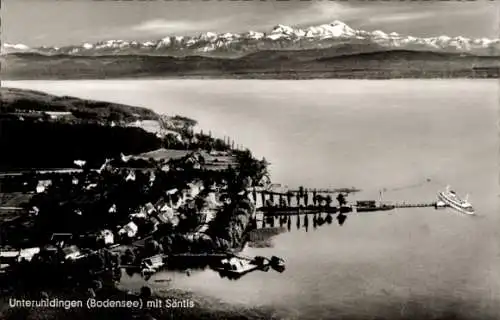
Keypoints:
pixel 238 266
pixel 152 264
pixel 450 198
pixel 277 264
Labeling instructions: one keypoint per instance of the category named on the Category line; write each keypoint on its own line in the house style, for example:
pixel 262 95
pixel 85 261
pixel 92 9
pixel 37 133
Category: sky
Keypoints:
pixel 65 22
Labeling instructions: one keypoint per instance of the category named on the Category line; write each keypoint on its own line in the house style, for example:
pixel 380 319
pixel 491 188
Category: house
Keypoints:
pixel 138 215
pixel 215 153
pixel 194 161
pixel 212 201
pixel 49 249
pixel 71 253
pixel 149 208
pixel 56 115
pixel 170 193
pixel 166 209
pixel 28 253
pixel 43 185
pixel 80 163
pixel 194 188
pixel 107 237
pixel 9 257
pixel 112 209
pixel 163 217
pixel 130 176
pixel 129 230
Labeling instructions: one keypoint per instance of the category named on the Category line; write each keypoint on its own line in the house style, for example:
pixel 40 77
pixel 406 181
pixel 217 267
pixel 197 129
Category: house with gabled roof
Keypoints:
pixel 149 208
pixel 129 230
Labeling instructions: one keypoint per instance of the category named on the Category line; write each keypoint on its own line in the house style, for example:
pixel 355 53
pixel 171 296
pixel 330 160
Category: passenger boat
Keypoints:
pixel 450 198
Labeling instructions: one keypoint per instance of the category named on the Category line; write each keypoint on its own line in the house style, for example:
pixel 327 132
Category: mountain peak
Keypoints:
pixel 280 37
pixel 338 23
pixel 7 48
pixel 18 46
pixel 281 28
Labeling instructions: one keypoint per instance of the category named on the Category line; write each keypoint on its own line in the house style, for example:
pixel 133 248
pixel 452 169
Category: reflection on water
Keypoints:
pixel 301 221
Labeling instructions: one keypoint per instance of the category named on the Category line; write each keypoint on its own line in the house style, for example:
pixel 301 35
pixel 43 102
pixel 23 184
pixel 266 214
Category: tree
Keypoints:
pixel 301 191
pixel 170 141
pixel 341 199
pixel 328 200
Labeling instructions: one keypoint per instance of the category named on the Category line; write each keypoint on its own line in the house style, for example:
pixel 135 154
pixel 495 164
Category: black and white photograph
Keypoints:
pixel 206 159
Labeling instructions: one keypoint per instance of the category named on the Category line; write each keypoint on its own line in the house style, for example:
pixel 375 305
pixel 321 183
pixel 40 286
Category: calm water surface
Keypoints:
pixel 370 134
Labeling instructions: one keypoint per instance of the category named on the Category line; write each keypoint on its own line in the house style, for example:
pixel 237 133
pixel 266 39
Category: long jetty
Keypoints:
pixel 327 191
pixel 415 205
pixel 305 201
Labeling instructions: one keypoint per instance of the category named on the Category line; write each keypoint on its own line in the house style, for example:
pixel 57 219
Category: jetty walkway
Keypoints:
pixel 311 209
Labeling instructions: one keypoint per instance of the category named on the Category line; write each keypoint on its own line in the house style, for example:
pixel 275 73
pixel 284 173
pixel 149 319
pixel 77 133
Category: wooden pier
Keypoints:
pixel 415 205
pixel 326 191
pixel 280 211
pixel 311 201
pixel 292 210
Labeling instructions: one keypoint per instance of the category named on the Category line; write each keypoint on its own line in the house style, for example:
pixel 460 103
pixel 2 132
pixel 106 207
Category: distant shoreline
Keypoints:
pixel 222 78
pixel 225 77
pixel 395 64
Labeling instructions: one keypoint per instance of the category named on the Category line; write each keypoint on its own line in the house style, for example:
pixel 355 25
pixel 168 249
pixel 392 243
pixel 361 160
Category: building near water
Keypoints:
pixel 43 185
pixel 107 237
pixel 59 115
pixel 129 230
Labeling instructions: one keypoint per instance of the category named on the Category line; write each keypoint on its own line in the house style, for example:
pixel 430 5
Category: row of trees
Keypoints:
pixel 317 199
pixel 194 141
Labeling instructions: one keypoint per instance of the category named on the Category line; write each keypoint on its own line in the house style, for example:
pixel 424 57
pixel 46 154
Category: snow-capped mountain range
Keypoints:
pixel 280 37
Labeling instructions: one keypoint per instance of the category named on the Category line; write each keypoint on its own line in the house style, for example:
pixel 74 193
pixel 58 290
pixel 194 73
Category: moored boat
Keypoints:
pixel 236 266
pixel 450 198
pixel 277 264
pixel 152 264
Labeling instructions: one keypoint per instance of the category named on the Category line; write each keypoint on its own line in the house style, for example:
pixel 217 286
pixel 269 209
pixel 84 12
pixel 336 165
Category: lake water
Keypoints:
pixel 391 134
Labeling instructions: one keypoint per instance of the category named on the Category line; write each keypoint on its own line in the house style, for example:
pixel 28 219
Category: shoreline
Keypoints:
pixel 256 78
